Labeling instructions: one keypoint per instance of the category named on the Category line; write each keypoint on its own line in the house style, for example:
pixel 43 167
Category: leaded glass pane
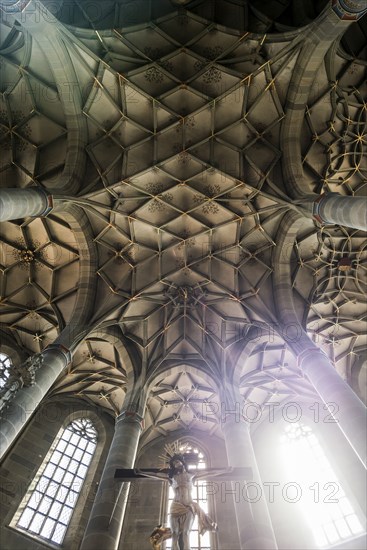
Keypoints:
pixel 45 505
pixel 354 524
pixel 59 533
pixel 36 523
pixel 48 528
pixel 58 474
pixel 25 519
pixel 49 470
pixel 65 514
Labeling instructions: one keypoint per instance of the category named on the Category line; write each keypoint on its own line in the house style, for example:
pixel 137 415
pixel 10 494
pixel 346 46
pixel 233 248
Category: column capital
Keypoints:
pixel 349 10
pixel 345 210
pixel 317 203
pixel 61 349
pixel 48 198
pixel 130 416
pixel 306 353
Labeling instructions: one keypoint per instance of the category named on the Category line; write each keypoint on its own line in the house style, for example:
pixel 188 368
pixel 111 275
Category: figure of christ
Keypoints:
pixel 183 509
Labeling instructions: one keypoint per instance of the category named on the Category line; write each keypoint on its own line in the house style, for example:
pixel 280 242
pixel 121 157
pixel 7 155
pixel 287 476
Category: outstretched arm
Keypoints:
pixel 228 473
pixel 151 474
pixel 211 472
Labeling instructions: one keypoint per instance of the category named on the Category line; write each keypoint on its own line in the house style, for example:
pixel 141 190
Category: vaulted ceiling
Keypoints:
pixel 163 130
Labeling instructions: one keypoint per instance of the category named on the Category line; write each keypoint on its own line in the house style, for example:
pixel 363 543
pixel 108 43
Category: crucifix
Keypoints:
pixel 183 508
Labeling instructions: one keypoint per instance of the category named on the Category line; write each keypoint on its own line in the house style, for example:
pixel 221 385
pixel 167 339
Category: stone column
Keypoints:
pixel 345 407
pixel 333 208
pixel 253 519
pixel 341 210
pixel 107 515
pixel 20 203
pixel 41 371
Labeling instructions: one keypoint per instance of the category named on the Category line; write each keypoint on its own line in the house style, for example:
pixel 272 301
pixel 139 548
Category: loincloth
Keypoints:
pixel 180 512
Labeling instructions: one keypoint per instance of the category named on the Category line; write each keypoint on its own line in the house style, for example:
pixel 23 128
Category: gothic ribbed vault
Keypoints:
pixel 163 137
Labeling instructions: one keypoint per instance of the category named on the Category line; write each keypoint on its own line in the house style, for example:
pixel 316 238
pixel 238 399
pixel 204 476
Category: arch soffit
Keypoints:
pixel 39 27
pixel 128 352
pixel 88 261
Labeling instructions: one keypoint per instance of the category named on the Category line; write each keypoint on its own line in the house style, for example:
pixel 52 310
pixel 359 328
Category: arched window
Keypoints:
pixel 324 503
pixel 46 512
pixel 200 496
pixel 5 365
